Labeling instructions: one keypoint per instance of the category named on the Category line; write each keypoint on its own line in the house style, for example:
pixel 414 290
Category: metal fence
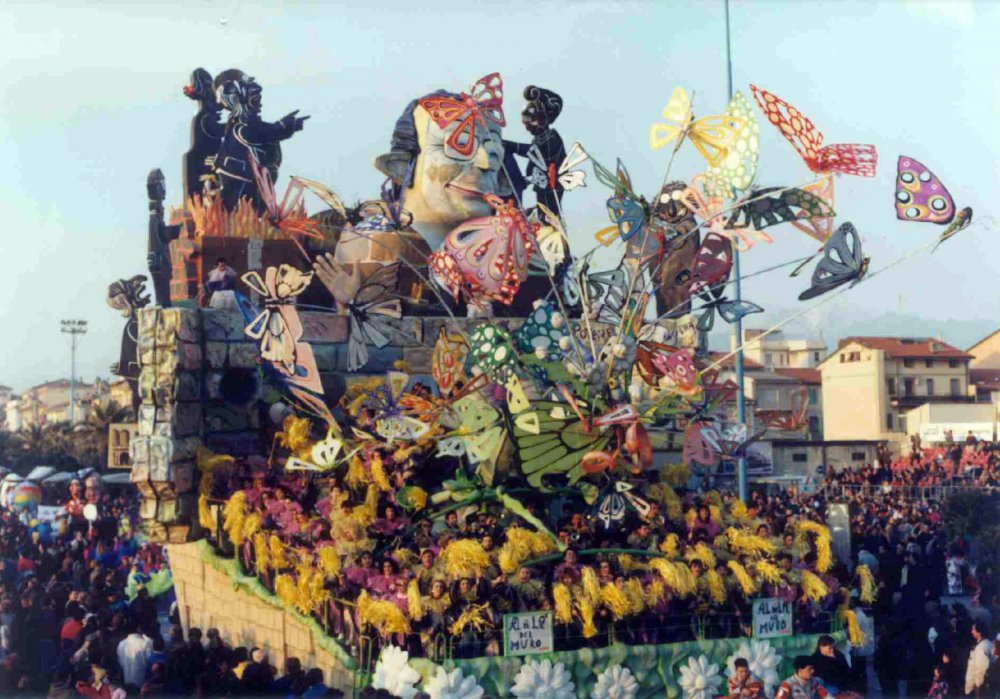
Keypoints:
pixel 932 493
pixel 640 630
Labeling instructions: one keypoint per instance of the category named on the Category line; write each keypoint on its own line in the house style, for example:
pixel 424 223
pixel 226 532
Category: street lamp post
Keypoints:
pixel 741 408
pixel 75 329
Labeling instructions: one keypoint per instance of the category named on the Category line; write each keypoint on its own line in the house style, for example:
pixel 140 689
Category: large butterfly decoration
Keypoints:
pixel 559 445
pixel 448 361
pixel 277 327
pixel 819 228
pixel 707 442
pixel 390 215
pixel 848 159
pixel 711 266
pixel 567 175
pixel 614 503
pixel 607 293
pixel 791 420
pixel 542 332
pixel 290 362
pixel 326 454
pixel 921 196
pixel 626 209
pixel 484 102
pixel 374 304
pixel 716 392
pixel 713 136
pixel 842 262
pixel 737 170
pixel 548 176
pixel 552 243
pixel 289 216
pixel 390 420
pixel 712 210
pixel 731 311
pixel 662 366
pixel 486 259
pixel 491 351
pixel 775 205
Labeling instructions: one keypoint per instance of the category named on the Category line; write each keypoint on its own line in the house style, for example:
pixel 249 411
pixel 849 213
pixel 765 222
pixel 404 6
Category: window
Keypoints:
pixel 953 363
pixel 815 356
pixel 908 363
pixel 930 386
pixel 768 360
pixel 813 396
pixel 902 423
pixel 890 385
pixel 888 421
pixel 857 456
pixel 956 387
pixel 814 425
pixel 843 358
pixel 855 357
pixel 928 363
pixel 907 387
pixel 800 458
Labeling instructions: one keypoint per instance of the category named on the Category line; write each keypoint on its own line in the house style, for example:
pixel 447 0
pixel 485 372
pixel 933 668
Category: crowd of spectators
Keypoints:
pixel 77 618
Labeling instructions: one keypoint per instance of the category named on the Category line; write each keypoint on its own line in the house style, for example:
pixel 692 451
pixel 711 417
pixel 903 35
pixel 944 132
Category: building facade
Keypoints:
pixel 871 383
pixel 776 351
pixel 49 403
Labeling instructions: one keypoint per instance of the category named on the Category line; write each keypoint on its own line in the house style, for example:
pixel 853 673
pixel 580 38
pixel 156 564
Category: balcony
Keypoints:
pixel 913 401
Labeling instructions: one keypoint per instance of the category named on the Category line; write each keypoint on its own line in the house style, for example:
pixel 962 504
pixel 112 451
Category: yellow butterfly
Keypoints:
pixel 712 135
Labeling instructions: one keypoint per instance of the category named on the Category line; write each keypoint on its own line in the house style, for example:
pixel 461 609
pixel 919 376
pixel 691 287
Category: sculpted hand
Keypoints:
pixel 342 285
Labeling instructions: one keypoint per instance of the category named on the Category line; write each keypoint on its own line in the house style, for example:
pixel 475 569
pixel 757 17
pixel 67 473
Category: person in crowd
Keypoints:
pixel 743 684
pixel 980 659
pixel 831 666
pixel 803 683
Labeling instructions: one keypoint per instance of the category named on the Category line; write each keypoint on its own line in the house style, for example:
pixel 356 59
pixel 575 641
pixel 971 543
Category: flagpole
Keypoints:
pixel 741 405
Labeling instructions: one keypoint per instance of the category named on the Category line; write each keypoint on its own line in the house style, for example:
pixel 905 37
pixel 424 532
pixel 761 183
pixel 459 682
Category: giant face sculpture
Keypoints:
pixel 448 153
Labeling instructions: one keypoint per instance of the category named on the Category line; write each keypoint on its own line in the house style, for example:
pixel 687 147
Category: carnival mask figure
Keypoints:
pixel 207 130
pixel 447 153
pixel 681 243
pixel 249 142
pixel 127 296
pixel 545 153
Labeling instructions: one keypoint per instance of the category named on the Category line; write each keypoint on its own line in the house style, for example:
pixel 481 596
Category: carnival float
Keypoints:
pixel 425 439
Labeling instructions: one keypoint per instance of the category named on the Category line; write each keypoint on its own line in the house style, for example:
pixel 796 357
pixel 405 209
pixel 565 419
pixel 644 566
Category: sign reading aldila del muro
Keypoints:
pixel 527 633
pixel 772 616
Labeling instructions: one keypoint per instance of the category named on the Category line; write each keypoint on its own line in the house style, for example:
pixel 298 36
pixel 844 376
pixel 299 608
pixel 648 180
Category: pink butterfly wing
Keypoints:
pixel 920 195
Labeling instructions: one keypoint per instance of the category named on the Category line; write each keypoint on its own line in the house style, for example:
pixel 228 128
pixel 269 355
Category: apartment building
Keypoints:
pixel 870 383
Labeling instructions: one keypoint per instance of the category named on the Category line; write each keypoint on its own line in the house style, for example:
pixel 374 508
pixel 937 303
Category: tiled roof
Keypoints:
pixel 908 347
pixel 731 361
pixel 801 374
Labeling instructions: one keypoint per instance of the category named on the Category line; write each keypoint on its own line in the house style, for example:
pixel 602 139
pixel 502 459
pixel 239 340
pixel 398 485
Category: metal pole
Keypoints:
pixel 72 380
pixel 73 328
pixel 741 406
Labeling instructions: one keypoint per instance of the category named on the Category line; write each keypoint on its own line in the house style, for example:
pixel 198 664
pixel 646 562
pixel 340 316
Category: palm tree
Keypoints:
pixel 92 436
pixel 33 440
pixel 10 446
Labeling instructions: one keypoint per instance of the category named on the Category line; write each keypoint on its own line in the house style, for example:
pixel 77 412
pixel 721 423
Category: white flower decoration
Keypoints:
pixel 453 685
pixel 616 682
pixel 394 674
pixel 699 678
pixel 543 680
pixel 763 660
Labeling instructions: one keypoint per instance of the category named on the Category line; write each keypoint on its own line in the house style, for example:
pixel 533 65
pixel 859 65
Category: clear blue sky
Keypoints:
pixel 92 100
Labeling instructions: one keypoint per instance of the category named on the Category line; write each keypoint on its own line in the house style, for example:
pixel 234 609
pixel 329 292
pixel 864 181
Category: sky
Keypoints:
pixel 92 101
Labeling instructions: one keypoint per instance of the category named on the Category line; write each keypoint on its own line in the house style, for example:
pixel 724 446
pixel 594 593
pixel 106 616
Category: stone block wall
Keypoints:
pixel 207 598
pixel 200 384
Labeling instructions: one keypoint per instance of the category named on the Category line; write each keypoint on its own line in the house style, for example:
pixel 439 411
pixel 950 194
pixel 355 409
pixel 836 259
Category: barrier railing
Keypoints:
pixel 909 492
